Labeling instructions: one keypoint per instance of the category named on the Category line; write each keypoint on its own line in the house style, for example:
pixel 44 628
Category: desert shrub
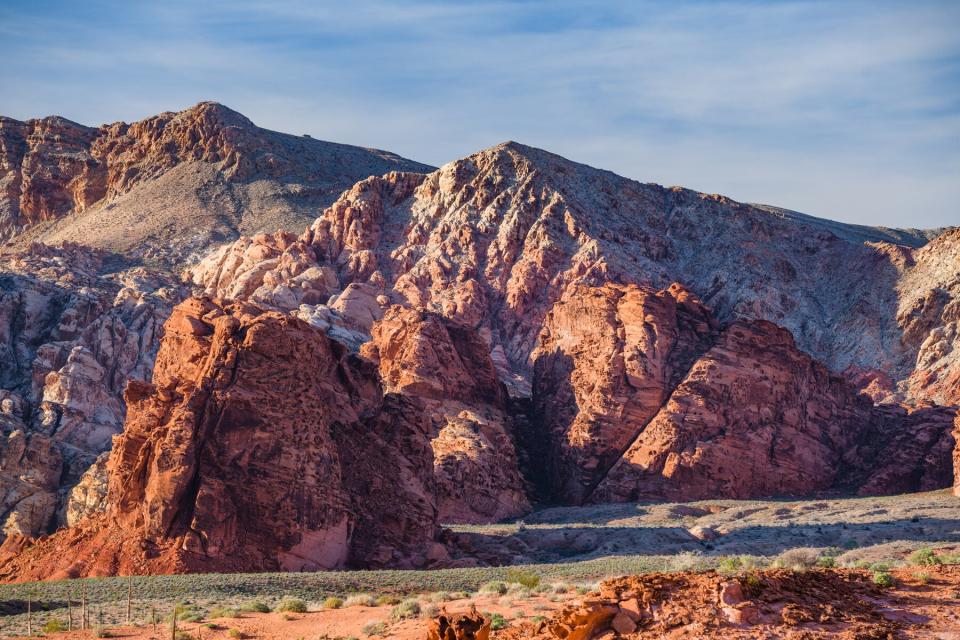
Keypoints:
pixel 495 586
pixel 53 625
pixel 213 626
pixel 526 578
pixel 497 621
pixel 333 602
pixel 826 562
pixel 100 631
pixel 562 587
pixel 430 611
pixel 255 606
pixel 375 629
pixel 728 564
pixel 923 577
pixel 798 559
pixel 409 608
pixel 183 635
pixel 882 579
pixel 293 605
pixel 879 567
pixel 360 600
pixel 925 558
pixel 221 612
pixel 519 590
pixel 388 600
pixel 687 561
pixel 235 634
pixel 752 584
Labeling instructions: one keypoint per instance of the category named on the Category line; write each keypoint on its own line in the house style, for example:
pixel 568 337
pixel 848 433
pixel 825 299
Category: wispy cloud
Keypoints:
pixel 849 110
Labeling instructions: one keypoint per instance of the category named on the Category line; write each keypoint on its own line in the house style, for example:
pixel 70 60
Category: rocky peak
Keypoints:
pixel 136 184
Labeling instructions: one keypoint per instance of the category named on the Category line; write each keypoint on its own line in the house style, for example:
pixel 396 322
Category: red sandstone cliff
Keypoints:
pixel 260 444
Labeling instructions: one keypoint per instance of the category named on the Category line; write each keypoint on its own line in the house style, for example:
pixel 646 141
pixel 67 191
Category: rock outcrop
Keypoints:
pixel 929 313
pixel 568 273
pixel 608 358
pixel 168 187
pixel 448 367
pixel 73 331
pixel 260 444
pixel 755 416
pixel 764 604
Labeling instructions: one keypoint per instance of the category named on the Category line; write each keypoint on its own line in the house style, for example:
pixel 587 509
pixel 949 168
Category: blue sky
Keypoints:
pixel 847 110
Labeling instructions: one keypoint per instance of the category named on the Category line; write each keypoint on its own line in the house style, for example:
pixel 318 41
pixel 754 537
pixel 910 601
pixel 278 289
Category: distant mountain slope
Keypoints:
pixel 857 232
pixel 165 188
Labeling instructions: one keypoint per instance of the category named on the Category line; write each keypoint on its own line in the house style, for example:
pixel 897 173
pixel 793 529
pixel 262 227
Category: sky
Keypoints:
pixel 846 110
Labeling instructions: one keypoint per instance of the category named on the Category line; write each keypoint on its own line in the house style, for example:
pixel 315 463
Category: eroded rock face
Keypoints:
pixel 240 442
pixel 607 359
pixel 929 313
pixel 72 333
pixel 448 367
pixel 89 495
pixel 260 444
pixel 755 416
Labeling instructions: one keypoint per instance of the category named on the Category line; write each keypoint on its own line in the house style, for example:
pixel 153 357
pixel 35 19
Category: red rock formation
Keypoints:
pixel 607 359
pixel 465 626
pixel 260 445
pixel 956 458
pixel 929 314
pixel 765 604
pixel 757 417
pixel 448 367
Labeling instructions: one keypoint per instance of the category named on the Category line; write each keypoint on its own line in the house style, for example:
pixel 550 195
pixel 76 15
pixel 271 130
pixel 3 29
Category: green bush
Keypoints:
pixel 235 634
pixel 728 565
pixel 294 605
pixel 882 579
pixel 827 562
pixel 925 558
pixel 388 600
pixel 332 602
pixel 497 621
pixel 220 612
pixel 409 608
pixel 54 625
